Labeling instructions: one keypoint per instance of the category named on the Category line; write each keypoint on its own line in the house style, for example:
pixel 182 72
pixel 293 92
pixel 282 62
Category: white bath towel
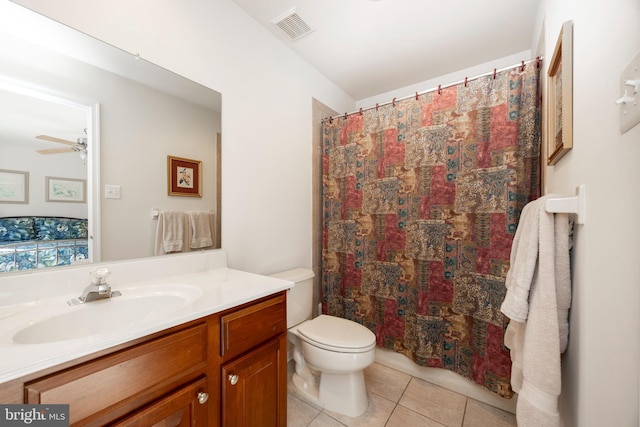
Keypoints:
pixel 537 302
pixel 201 229
pixel 171 233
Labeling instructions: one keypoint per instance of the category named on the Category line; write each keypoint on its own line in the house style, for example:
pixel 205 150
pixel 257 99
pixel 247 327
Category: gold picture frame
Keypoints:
pixel 184 177
pixel 560 97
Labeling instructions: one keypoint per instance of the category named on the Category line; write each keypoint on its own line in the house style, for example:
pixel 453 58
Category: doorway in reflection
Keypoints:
pixel 45 139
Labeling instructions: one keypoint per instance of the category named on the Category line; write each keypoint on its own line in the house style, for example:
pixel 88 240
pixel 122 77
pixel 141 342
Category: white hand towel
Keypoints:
pixel 201 236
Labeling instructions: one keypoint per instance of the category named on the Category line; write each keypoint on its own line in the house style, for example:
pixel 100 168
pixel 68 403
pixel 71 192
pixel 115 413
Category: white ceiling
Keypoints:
pixel 25 117
pixel 369 47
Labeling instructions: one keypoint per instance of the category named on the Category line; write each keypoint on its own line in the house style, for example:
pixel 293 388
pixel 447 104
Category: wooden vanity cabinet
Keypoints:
pixel 253 363
pixel 227 369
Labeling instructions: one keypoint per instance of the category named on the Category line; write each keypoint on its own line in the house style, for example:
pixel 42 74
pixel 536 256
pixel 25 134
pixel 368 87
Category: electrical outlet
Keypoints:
pixel 630 90
pixel 112 191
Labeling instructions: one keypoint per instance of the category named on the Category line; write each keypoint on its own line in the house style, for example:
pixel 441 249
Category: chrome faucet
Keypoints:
pixel 97 289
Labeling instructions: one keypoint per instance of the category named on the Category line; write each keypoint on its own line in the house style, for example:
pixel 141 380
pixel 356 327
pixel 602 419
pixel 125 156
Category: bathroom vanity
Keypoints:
pixel 217 360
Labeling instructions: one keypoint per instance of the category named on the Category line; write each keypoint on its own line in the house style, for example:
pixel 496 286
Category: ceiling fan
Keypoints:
pixel 80 146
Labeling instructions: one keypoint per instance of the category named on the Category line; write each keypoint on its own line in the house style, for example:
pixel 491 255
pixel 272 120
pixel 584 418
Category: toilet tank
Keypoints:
pixel 300 297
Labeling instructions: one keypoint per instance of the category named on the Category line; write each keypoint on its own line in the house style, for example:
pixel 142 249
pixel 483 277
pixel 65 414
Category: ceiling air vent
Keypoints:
pixel 292 24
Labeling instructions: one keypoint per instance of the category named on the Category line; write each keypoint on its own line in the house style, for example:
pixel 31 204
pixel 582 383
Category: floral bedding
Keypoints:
pixel 29 242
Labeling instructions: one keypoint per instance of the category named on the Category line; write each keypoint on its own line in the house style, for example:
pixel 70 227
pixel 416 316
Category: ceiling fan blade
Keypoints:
pixel 58 140
pixel 55 150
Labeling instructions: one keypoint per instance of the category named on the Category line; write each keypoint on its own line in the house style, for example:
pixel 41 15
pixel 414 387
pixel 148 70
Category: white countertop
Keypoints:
pixel 210 291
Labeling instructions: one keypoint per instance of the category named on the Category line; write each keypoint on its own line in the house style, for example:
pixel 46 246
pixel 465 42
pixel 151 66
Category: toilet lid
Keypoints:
pixel 332 332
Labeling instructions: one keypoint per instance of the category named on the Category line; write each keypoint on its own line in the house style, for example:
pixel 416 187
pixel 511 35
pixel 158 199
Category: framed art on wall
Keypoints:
pixel 14 186
pixel 560 97
pixel 70 190
pixel 184 177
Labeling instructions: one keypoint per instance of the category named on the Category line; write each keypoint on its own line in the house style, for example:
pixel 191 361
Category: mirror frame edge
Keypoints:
pixel 94 196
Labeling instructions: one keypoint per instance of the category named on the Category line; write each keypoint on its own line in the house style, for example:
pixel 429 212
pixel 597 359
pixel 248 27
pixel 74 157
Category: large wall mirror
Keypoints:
pixel 85 133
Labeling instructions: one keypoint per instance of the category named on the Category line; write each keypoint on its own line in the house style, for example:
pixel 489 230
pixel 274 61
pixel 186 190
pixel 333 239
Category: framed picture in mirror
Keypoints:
pixel 14 186
pixel 560 97
pixel 184 177
pixel 70 190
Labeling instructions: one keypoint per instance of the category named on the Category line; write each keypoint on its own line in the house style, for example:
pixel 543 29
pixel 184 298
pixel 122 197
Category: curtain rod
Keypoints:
pixel 466 80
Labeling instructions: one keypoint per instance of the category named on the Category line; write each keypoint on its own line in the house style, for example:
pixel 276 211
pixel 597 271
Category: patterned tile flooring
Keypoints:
pixel 400 400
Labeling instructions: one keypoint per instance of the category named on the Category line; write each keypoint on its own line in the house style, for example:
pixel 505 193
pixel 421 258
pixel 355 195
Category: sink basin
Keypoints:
pixel 59 322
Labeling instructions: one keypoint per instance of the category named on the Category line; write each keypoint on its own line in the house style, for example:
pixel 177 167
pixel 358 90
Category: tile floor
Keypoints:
pixel 400 400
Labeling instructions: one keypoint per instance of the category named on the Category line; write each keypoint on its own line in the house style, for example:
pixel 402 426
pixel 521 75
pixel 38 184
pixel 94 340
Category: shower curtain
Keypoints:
pixel 421 199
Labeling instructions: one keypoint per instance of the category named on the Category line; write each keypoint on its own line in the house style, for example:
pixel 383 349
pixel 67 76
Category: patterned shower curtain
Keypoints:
pixel 421 199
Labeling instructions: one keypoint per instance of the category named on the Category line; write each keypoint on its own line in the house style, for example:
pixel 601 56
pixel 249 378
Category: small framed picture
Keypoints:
pixel 560 97
pixel 184 177
pixel 69 190
pixel 14 186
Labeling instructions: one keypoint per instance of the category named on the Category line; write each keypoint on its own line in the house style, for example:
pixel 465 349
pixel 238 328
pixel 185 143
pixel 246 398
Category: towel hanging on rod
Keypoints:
pixel 156 211
pixel 573 205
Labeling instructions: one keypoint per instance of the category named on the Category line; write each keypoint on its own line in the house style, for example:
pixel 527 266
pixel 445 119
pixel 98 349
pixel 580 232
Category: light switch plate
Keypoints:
pixel 630 111
pixel 112 191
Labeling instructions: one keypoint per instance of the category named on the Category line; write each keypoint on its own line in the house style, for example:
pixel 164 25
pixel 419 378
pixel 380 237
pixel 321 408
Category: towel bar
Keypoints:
pixel 155 212
pixel 572 205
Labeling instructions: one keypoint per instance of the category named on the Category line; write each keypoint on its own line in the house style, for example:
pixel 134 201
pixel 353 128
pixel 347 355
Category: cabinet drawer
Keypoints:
pixel 245 328
pixel 137 374
pixel 179 408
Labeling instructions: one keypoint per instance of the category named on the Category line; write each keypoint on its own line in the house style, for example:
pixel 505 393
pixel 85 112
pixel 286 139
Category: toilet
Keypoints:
pixel 330 353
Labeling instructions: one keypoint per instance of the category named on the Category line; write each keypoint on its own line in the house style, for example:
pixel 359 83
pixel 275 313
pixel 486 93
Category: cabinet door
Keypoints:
pixel 186 407
pixel 254 388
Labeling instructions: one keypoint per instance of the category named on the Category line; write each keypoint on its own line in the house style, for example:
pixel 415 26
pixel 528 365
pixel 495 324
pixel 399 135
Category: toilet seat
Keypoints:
pixel 337 334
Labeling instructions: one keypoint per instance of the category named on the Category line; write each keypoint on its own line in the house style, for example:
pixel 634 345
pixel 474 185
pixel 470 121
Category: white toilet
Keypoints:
pixel 330 353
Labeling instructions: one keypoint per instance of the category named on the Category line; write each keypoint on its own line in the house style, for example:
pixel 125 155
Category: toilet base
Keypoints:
pixel 344 393
pixel 309 389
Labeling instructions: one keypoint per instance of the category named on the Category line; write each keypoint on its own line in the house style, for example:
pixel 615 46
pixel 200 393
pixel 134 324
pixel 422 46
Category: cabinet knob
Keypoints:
pixel 233 379
pixel 203 397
